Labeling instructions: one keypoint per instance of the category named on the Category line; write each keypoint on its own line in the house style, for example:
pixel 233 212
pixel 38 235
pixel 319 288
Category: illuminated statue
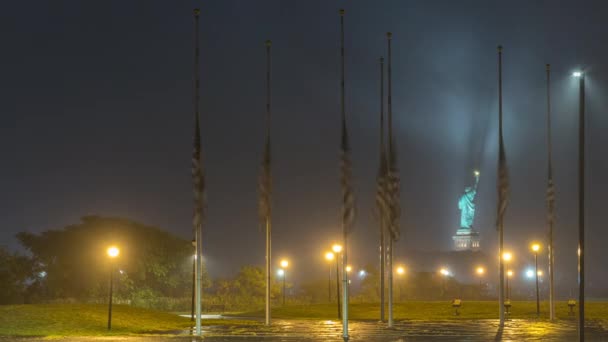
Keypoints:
pixel 466 204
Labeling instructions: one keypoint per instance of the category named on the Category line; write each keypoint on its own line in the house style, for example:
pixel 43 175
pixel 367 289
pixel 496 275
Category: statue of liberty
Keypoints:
pixel 466 204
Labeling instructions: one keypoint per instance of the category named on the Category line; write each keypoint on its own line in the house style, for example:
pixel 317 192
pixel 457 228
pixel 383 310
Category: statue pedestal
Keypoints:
pixel 466 240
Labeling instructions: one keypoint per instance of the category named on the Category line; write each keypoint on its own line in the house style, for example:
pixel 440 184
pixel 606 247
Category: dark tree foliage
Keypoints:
pixel 77 266
pixel 16 272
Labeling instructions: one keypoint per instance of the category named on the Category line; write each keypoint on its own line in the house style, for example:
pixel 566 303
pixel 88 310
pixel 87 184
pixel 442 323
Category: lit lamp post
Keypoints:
pixel 535 249
pixel 283 273
pixel 112 253
pixel 445 273
pixel 329 256
pixel 480 272
pixel 400 272
pixel 507 256
pixel 509 275
pixel 337 249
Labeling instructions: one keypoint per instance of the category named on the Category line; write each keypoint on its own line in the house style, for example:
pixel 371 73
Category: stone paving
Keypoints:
pixel 404 331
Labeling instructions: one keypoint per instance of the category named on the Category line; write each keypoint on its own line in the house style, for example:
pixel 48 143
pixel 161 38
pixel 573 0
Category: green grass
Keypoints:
pixel 431 311
pixel 91 320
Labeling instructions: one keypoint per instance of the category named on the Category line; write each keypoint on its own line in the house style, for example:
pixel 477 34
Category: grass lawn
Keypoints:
pixel 91 320
pixel 432 311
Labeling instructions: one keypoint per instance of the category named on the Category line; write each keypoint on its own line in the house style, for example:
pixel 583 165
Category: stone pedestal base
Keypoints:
pixel 466 240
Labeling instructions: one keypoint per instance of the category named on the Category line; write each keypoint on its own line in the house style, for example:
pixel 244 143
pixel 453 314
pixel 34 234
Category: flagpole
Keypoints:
pixel 382 175
pixel 389 37
pixel 550 199
pixel 346 195
pixel 581 210
pixel 501 268
pixel 268 222
pixel 197 175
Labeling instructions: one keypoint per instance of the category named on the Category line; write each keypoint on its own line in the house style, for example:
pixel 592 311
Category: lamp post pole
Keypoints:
pixel 110 301
pixel 338 287
pixel 537 292
pixel 112 253
pixel 329 284
pixel 581 209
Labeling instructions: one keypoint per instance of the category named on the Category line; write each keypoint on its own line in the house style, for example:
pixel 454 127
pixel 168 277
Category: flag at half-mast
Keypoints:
pixel 198 176
pixel 265 185
pixel 348 197
pixel 503 182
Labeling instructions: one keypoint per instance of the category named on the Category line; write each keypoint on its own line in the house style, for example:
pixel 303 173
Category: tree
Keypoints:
pixel 76 264
pixel 15 273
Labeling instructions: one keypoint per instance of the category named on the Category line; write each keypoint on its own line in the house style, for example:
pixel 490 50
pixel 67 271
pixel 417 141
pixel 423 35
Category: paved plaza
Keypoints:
pixel 404 331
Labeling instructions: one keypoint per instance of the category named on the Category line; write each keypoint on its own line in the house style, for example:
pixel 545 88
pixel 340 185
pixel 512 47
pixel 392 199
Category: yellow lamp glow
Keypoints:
pixel 113 252
pixel 400 270
pixel 336 248
pixel 507 256
pixel 509 273
pixel 284 263
pixel 480 270
pixel 535 247
pixel 329 256
pixel 348 268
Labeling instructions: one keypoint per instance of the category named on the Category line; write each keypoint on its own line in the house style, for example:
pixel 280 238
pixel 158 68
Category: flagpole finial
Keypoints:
pixel 268 43
pixel 548 67
pixel 341 12
pixel 389 35
pixel 499 48
pixel 197 11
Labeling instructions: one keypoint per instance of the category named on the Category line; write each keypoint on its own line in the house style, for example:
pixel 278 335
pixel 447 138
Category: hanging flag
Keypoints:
pixel 394 189
pixel 503 183
pixel 348 198
pixel 265 186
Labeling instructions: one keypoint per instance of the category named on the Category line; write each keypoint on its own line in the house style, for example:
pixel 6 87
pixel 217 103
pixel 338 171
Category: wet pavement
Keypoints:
pixel 404 331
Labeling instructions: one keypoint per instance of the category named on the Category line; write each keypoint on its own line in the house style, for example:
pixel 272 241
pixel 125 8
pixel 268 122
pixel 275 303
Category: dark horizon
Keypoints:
pixel 97 97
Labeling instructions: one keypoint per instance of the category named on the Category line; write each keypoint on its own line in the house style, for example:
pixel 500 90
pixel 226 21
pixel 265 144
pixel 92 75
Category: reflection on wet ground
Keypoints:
pixel 404 331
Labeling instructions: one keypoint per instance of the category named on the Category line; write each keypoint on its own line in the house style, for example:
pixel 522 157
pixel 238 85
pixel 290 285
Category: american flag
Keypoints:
pixel 382 192
pixel 348 198
pixel 265 186
pixel 503 183
pixel 550 200
pixel 198 178
pixel 394 191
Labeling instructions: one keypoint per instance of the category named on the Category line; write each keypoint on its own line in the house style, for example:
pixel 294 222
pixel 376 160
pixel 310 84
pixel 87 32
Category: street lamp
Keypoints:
pixel 509 275
pixel 337 249
pixel 445 273
pixel 348 269
pixel 400 270
pixel 283 272
pixel 581 204
pixel 329 256
pixel 113 253
pixel 507 256
pixel 535 248
pixel 480 272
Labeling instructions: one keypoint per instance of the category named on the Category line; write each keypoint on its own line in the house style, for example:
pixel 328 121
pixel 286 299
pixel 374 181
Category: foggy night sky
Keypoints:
pixel 96 108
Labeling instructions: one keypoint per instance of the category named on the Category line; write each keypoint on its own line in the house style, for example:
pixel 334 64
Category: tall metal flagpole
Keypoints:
pixel 581 210
pixel 348 206
pixel 389 37
pixel 267 184
pixel 550 198
pixel 501 199
pixel 198 180
pixel 382 194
